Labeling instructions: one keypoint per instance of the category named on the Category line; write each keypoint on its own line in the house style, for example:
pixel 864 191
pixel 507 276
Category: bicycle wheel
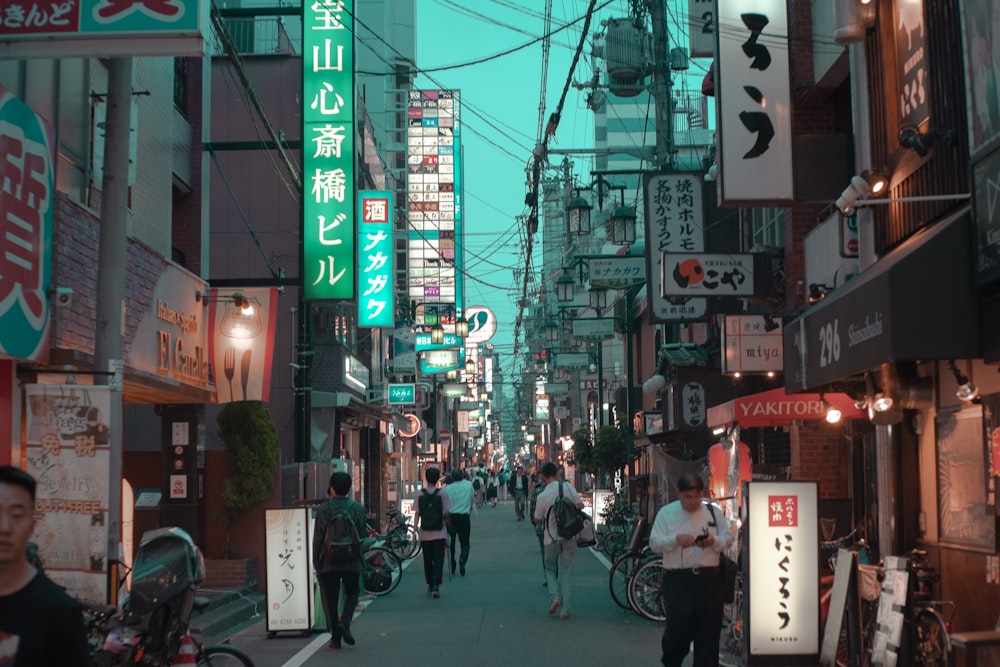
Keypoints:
pixel 644 590
pixel 930 639
pixel 618 581
pixel 401 544
pixel 410 544
pixel 223 655
pixel 613 543
pixel 381 571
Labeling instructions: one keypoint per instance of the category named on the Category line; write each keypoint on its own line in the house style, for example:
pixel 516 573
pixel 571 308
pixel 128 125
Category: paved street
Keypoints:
pixel 496 615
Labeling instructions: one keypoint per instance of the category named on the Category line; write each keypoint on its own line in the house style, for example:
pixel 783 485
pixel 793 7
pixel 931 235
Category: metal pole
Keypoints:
pixel 661 86
pixel 628 381
pixel 111 275
pixel 600 383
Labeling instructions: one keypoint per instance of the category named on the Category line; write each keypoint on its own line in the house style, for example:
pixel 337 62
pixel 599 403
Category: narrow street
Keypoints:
pixel 495 615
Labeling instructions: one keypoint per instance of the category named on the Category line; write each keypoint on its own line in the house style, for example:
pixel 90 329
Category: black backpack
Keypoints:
pixel 342 543
pixel 431 510
pixel 569 517
pixel 477 484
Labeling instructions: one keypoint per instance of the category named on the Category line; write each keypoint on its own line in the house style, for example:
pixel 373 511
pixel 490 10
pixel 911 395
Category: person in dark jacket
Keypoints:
pixel 520 486
pixel 332 574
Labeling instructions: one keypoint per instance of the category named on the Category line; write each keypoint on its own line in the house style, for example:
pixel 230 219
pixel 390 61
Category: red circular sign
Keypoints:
pixel 412 426
pixel 444 435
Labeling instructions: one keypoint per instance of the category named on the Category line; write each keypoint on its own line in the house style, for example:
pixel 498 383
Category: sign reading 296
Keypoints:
pixel 829 343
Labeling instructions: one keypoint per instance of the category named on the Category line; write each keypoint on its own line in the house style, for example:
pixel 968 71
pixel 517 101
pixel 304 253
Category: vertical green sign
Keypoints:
pixel 375 287
pixel 328 270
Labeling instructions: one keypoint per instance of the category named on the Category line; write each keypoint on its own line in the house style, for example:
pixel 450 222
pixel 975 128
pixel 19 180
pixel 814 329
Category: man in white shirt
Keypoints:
pixel 460 493
pixel 691 540
pixel 559 553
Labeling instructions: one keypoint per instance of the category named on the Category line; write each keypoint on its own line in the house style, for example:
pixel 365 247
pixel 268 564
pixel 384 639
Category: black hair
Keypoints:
pixel 17 477
pixel 690 482
pixel 432 475
pixel 457 475
pixel 550 470
pixel 340 482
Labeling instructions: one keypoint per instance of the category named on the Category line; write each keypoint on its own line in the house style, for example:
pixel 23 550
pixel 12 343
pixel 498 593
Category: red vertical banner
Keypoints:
pixel 241 340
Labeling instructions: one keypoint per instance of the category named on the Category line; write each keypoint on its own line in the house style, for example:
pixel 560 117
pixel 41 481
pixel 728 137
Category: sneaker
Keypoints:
pixel 461 569
pixel 554 607
pixel 334 643
pixel 345 634
pixel 563 615
pixel 435 593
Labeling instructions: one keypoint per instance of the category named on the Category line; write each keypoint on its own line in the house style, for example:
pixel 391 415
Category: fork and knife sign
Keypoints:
pixel 229 368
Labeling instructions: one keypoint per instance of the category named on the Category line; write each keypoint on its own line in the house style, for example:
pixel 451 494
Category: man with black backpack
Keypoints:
pixel 431 513
pixel 340 522
pixel 555 507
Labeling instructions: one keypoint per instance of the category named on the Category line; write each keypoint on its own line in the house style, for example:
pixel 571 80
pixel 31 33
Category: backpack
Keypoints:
pixel 477 484
pixel 342 543
pixel 569 517
pixel 431 510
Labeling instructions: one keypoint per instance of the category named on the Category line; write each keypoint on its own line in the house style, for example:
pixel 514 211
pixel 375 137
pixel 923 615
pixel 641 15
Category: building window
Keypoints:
pixel 180 85
pixel 767 228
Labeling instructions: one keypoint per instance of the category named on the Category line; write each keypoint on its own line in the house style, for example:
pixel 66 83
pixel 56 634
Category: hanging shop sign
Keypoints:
pixel 753 94
pixel 783 529
pixel 328 223
pixel 778 408
pixel 376 305
pixel 594 328
pixel 241 342
pixel 616 272
pixel 751 344
pixel 703 274
pixel 482 324
pixel 701 28
pixel 572 361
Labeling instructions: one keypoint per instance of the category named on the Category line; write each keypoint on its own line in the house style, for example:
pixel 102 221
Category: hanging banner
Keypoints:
pixel 783 523
pixel 26 217
pixel 241 340
pixel 375 259
pixel 68 438
pixel 288 549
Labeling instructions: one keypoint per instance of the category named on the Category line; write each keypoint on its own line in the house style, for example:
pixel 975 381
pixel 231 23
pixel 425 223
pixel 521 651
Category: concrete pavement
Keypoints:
pixel 495 615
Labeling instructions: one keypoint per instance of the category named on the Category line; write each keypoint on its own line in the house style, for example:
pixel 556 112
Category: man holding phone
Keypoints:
pixel 685 532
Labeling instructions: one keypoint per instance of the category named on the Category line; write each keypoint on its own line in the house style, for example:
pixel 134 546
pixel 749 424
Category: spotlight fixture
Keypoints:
pixel 238 299
pixel 863 185
pixel 922 142
pixel 878 400
pixel 967 392
pixel 818 292
pixel 831 414
pixel 861 403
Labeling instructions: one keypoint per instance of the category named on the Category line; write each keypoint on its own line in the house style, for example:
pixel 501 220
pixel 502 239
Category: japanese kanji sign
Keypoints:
pixel 675 223
pixel 617 272
pixel 753 94
pixel 288 549
pixel 784 567
pixel 26 216
pixel 751 345
pixel 328 224
pixel 375 255
pixel 701 274
pixel 106 28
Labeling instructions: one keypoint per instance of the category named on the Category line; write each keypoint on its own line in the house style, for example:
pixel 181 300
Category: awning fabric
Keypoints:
pixel 777 408
pixel 917 303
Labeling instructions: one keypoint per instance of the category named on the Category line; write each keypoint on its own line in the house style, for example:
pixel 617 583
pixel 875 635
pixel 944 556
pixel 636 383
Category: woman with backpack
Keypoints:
pixel 492 488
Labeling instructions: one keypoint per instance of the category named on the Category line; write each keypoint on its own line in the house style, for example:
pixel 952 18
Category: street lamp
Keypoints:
pixel 598 299
pixel 470 367
pixel 461 327
pixel 578 216
pixel 623 224
pixel 437 334
pixel 565 286
pixel 551 329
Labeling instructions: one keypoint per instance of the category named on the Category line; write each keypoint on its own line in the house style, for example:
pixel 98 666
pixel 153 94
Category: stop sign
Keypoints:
pixel 444 435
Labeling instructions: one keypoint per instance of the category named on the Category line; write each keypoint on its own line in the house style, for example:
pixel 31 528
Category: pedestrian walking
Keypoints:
pixel 40 625
pixel 430 512
pixel 685 532
pixel 503 478
pixel 336 552
pixel 492 488
pixel 559 552
pixel 537 486
pixel 478 488
pixel 460 493
pixel 519 491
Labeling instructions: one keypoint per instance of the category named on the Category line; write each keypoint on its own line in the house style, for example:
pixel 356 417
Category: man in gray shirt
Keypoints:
pixel 460 492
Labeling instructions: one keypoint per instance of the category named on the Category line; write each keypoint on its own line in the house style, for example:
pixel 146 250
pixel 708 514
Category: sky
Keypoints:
pixel 500 112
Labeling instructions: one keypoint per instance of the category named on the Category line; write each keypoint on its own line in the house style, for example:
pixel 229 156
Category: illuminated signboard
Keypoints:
pixel 375 265
pixel 328 224
pixel 434 205
pixel 784 568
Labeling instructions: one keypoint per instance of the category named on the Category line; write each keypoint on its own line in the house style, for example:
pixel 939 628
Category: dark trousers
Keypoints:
pixel 693 606
pixel 519 498
pixel 433 562
pixel 460 526
pixel 329 584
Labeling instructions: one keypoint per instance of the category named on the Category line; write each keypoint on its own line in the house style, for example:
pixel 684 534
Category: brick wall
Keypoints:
pixel 232 573
pixel 820 453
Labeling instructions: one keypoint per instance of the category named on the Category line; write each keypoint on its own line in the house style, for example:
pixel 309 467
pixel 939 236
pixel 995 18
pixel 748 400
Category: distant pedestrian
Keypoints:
pixel 478 488
pixel 40 625
pixel 430 512
pixel 686 533
pixel 537 486
pixel 492 487
pixel 519 490
pixel 559 552
pixel 332 568
pixel 502 479
pixel 460 493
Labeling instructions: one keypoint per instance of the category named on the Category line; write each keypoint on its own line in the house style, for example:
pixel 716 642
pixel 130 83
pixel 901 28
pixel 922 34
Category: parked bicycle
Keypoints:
pixel 931 619
pixel 400 537
pixel 152 627
pixel 381 569
pixel 619 524
pixel 636 552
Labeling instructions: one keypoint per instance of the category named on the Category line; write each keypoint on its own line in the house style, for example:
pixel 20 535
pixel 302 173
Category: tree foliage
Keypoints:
pixel 583 452
pixel 606 453
pixel 251 439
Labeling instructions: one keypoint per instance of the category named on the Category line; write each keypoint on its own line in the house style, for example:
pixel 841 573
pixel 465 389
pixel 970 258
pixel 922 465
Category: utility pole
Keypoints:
pixel 664 104
pixel 112 264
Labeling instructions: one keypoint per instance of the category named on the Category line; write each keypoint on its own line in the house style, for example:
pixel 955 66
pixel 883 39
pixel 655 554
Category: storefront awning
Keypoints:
pixel 777 408
pixel 916 304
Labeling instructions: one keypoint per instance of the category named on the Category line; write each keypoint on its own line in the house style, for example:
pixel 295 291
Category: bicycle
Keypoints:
pixel 930 631
pixel 644 590
pixel 636 552
pixel 381 569
pixel 619 523
pixel 400 538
